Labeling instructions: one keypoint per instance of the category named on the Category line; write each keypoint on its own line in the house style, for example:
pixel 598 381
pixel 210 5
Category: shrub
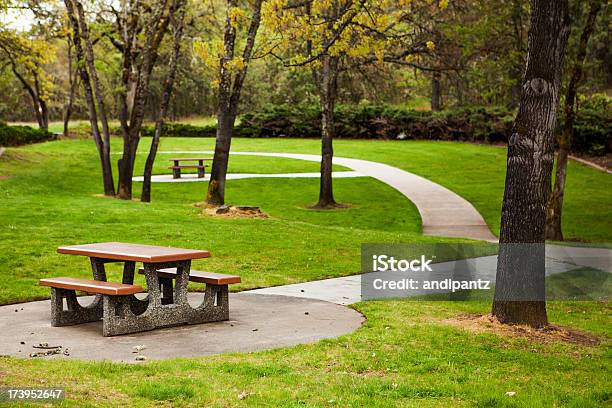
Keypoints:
pixel 21 135
pixel 593 126
pixel 379 121
pixel 181 130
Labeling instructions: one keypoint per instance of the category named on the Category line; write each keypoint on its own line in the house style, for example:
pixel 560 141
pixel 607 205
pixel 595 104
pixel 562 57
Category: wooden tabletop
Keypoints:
pixel 190 158
pixel 133 252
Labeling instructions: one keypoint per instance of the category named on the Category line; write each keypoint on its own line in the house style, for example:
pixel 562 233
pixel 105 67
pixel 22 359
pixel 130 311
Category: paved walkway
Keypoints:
pixel 443 212
pixel 257 322
pixel 191 177
pixel 347 290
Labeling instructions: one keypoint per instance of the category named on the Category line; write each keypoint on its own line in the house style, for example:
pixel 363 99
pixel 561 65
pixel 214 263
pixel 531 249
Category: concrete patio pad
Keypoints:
pixel 257 322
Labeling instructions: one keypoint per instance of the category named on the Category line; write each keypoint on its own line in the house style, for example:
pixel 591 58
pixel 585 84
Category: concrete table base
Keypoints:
pixel 257 322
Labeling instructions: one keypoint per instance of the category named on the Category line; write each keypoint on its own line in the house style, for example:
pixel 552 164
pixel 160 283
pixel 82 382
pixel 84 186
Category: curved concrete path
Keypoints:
pixel 443 212
pixel 257 322
pixel 191 177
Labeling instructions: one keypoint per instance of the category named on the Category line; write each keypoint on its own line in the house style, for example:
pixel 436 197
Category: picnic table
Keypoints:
pixel 167 272
pixel 176 168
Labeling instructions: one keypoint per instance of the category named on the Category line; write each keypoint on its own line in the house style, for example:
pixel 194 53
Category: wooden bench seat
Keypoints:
pixel 91 286
pixel 189 166
pixel 112 302
pixel 176 169
pixel 210 278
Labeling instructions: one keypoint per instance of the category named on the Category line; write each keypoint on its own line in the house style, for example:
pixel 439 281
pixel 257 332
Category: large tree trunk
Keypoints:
pixel 519 292
pixel 328 85
pixel 435 92
pixel 555 203
pixel 516 66
pixel 177 24
pixel 80 37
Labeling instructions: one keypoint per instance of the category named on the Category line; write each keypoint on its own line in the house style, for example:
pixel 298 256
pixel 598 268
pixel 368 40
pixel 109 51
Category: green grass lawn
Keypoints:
pixel 405 355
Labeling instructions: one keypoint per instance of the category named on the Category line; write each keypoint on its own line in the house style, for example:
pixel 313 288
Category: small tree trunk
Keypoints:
pixel 555 203
pixel 44 115
pixel 225 123
pixel 218 174
pixel 177 25
pixel 81 40
pixel 520 292
pixel 328 78
pixel 126 167
pixel 72 79
pixel 229 98
pixel 435 91
pixel 68 110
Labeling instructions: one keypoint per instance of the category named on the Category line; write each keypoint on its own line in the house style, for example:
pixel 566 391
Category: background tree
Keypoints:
pixel 136 30
pixel 333 36
pixel 26 59
pixel 555 203
pixel 92 89
pixel 519 292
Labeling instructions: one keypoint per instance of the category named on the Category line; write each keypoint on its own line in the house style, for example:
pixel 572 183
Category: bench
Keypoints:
pixel 176 168
pixel 115 297
pixel 216 283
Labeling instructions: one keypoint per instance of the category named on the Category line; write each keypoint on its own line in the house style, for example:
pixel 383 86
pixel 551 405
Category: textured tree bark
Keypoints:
pixel 519 293
pixel 102 143
pixel 555 203
pixel 229 90
pixel 328 87
pixel 435 91
pixel 177 25
pixel 518 63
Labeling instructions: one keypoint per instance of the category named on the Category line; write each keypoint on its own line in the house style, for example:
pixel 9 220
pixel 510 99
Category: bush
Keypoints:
pixel 593 126
pixel 181 130
pixel 378 121
pixel 22 135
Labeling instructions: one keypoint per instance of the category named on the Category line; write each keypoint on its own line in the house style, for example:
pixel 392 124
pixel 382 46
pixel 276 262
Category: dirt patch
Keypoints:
pixel 232 211
pixel 335 206
pixel 23 157
pixel 549 334
pixel 3 177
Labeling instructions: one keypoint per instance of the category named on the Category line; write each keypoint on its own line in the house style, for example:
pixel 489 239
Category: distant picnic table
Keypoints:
pixel 176 168
pixel 167 271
